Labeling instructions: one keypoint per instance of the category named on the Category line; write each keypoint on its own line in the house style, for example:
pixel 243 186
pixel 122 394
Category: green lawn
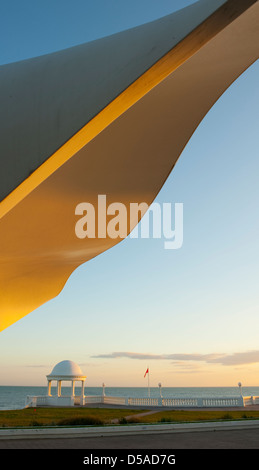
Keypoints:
pixel 101 416
pixel 198 415
pixel 56 416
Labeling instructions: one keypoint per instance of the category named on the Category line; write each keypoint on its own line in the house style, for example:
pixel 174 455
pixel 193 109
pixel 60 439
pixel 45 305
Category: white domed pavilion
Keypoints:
pixel 66 371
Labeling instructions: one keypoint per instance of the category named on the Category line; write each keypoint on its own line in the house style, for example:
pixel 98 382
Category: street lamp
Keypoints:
pixel 103 390
pixel 240 388
pixel 160 385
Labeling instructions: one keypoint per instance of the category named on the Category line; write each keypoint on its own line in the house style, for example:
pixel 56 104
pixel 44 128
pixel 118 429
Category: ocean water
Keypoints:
pixel 13 397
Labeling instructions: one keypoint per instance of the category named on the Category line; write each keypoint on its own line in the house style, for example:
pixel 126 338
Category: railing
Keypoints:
pixel 114 400
pixel 45 400
pixel 187 402
pixel 222 402
pixel 144 401
pixel 176 402
pixel 105 399
pixel 36 401
pixel 251 401
pixel 93 399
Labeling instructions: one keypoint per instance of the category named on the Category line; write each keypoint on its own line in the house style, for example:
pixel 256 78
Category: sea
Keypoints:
pixel 14 397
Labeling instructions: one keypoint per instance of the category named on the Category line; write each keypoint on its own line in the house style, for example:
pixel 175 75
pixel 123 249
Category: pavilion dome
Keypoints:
pixel 67 369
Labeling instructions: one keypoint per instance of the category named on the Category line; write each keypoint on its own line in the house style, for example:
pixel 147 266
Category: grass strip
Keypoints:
pixel 35 417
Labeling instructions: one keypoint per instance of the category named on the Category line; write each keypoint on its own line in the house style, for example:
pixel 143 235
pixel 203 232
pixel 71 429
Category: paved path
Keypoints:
pixel 138 415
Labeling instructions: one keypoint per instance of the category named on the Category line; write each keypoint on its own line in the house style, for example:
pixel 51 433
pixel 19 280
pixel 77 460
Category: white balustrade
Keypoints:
pixel 222 402
pixel 114 400
pixel 93 399
pixel 251 401
pixel 142 401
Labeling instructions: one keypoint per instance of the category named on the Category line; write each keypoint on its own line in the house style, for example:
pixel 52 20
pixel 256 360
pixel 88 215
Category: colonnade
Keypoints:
pixel 59 381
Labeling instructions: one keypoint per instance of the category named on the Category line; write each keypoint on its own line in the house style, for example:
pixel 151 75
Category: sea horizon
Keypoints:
pixel 14 396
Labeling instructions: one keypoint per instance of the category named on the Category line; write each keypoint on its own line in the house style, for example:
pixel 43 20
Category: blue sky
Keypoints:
pixel 194 309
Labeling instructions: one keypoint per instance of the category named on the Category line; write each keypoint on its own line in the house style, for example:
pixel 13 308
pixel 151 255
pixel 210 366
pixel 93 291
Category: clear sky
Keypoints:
pixel 191 315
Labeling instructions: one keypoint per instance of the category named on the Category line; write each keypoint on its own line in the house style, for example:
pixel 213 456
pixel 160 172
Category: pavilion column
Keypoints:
pixel 82 398
pixel 82 388
pixel 73 388
pixel 59 388
pixel 49 388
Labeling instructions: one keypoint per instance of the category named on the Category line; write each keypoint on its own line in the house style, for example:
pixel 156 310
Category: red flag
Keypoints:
pixel 146 373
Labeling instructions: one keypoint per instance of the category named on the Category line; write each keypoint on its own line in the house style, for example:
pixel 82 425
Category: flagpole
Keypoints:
pixel 147 373
pixel 148 383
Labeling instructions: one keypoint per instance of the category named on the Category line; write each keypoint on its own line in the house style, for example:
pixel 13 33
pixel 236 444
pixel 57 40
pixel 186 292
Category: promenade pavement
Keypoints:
pixel 229 439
